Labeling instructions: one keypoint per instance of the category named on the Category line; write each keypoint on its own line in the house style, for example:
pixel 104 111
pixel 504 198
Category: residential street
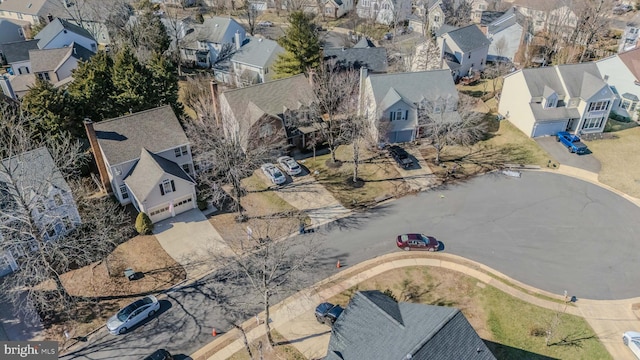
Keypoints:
pixel 545 230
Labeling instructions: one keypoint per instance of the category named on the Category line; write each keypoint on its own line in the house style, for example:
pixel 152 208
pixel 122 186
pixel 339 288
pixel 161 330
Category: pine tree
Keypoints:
pixel 302 47
pixel 48 104
pixel 144 226
pixel 92 89
pixel 131 81
pixel 164 83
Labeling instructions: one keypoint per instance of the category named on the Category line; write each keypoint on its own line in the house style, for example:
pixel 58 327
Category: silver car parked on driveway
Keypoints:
pixel 132 314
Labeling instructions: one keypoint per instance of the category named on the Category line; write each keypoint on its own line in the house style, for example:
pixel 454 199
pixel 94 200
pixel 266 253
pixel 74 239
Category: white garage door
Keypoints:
pixel 548 128
pixel 401 136
pixel 164 212
pixel 159 213
pixel 182 205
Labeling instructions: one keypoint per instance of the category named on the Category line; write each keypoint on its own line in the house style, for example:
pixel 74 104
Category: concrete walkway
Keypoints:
pixel 190 239
pixel 420 177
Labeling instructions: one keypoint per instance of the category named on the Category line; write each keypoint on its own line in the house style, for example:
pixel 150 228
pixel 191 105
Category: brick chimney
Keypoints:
pixel 97 154
pixel 310 77
pixel 216 101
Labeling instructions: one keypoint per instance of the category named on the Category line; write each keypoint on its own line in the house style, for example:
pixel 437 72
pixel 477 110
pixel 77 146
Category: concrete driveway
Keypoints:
pixel 190 239
pixel 559 152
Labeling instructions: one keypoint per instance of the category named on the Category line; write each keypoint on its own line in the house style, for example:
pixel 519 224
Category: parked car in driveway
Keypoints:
pixel 417 242
pixel 132 314
pixel 265 24
pixel 274 174
pixel 632 340
pixel 328 313
pixel 160 354
pixel 289 165
pixel 572 142
pixel 401 156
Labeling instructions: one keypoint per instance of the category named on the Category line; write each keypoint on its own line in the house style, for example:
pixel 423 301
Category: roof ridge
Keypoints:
pixel 264 83
pixel 436 329
pixel 129 115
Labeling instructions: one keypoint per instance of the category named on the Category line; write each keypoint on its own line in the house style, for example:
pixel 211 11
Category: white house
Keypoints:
pixel 506 34
pixel 434 19
pixel 553 15
pixel 391 101
pixel 622 73
pixel 250 63
pixel 145 159
pixel 543 101
pixel 60 33
pixel 32 180
pixel 202 44
pixel 31 11
pixel 16 55
pixel 464 50
pixel 385 12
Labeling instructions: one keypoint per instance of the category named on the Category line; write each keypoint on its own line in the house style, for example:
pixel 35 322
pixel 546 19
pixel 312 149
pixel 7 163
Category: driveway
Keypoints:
pixel 190 239
pixel 559 152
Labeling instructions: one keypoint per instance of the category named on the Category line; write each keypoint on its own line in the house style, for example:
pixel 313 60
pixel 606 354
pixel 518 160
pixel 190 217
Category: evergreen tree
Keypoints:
pixel 164 83
pixel 131 81
pixel 45 102
pixel 144 226
pixel 92 89
pixel 302 47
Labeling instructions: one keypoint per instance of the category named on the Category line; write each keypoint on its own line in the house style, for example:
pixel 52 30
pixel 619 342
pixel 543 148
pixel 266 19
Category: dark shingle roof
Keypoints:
pixel 364 43
pixel 257 52
pixel 374 59
pixel 9 31
pixel 469 38
pixel 156 130
pixel 148 171
pixel 19 50
pixel 413 87
pixel 54 28
pixel 373 326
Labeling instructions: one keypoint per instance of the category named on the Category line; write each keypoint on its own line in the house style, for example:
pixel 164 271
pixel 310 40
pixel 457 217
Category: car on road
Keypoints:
pixel 572 142
pixel 401 156
pixel 265 24
pixel 133 314
pixel 417 242
pixel 160 354
pixel 328 313
pixel 632 340
pixel 274 174
pixel 289 165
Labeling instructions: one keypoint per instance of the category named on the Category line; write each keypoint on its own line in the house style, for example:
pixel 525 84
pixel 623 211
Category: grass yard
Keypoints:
pixel 510 326
pixel 279 352
pixel 616 155
pixel 379 175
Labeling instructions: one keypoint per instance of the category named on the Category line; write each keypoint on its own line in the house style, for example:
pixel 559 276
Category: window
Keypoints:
pixel 366 3
pixel 123 192
pixel 599 105
pixel 436 18
pixel 57 198
pixel 186 169
pixel 593 123
pixel 167 186
pixel 20 16
pixel 68 225
pixel 44 76
pixel 51 232
pixel 182 150
pixel 385 6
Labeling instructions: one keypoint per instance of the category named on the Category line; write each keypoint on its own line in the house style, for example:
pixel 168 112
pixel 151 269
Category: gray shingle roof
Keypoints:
pixel 413 87
pixel 213 30
pixel 47 60
pixel 364 43
pixel 373 326
pixel 9 31
pixel 157 130
pixel 148 171
pixel 374 58
pixel 19 50
pixel 257 52
pixel 54 28
pixel 31 7
pixel 581 80
pixel 22 83
pixel 469 38
pixel 553 114
pixel 539 78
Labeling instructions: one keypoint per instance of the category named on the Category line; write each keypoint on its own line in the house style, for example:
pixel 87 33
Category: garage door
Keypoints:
pixel 401 136
pixel 159 213
pixel 182 205
pixel 164 212
pixel 548 128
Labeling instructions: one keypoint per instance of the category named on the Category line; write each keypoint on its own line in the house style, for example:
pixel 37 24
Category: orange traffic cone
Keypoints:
pixel 214 332
pixel 338 264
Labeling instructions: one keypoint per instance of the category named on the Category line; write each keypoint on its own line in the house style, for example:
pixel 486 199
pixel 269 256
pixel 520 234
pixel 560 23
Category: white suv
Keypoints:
pixel 274 174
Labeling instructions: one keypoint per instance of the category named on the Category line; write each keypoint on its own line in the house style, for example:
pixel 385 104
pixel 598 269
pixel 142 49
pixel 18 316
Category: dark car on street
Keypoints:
pixel 417 242
pixel 328 313
pixel 401 156
pixel 160 354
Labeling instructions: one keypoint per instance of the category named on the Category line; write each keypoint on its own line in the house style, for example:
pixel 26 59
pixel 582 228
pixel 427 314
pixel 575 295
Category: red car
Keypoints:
pixel 417 242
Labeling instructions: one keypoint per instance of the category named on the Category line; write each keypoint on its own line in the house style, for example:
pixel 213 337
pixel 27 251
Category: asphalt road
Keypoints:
pixel 546 230
pixel 561 154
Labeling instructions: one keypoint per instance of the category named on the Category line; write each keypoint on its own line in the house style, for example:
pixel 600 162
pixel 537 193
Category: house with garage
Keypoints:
pixel 256 115
pixel 464 50
pixel 373 324
pixel 250 63
pixel 145 160
pixel 60 33
pixel 204 44
pixel 391 101
pixel 387 12
pixel 544 101
pixel 622 73
pixel 31 182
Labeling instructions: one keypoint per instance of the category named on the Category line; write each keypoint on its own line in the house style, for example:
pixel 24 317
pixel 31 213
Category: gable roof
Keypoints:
pixel 250 103
pixel 211 30
pixel 18 51
pixel 51 59
pixel 372 58
pixel 10 31
pixel 21 83
pixel 122 138
pixel 148 171
pixel 54 28
pixel 257 52
pixel 540 5
pixel 581 80
pixel 468 38
pixel 31 7
pixel 364 42
pixel 374 324
pixel 413 87
pixel 631 59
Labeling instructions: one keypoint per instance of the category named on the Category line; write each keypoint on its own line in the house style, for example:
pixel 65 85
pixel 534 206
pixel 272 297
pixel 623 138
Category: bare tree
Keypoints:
pixel 37 222
pixel 427 56
pixel 445 122
pixel 592 23
pixel 458 13
pixel 250 12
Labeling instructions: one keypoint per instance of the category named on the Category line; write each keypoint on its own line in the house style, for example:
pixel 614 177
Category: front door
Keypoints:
pixel 570 124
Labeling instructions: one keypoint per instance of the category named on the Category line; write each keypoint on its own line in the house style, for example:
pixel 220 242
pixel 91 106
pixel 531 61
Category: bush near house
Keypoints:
pixel 144 226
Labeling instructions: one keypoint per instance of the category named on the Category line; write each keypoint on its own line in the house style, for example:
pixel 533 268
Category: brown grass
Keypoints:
pixel 279 352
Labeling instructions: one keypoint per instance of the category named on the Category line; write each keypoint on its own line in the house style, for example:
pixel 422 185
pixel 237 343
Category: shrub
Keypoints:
pixel 389 293
pixel 537 331
pixel 144 226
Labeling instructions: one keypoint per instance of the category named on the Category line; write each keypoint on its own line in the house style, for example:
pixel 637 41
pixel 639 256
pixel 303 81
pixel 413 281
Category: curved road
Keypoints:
pixel 546 230
pixel 549 231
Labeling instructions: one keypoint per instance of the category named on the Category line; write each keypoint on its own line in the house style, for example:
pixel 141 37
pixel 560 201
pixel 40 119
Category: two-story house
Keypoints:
pixel 622 73
pixel 506 34
pixel 550 15
pixel 544 101
pixel 16 56
pixel 60 33
pixel 145 160
pixel 32 11
pixel 10 31
pixel 335 8
pixel 427 17
pixel 202 44
pixel 464 50
pixel 387 12
pixel 391 101
pixel 250 63
pixel 56 65
pixel 32 180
